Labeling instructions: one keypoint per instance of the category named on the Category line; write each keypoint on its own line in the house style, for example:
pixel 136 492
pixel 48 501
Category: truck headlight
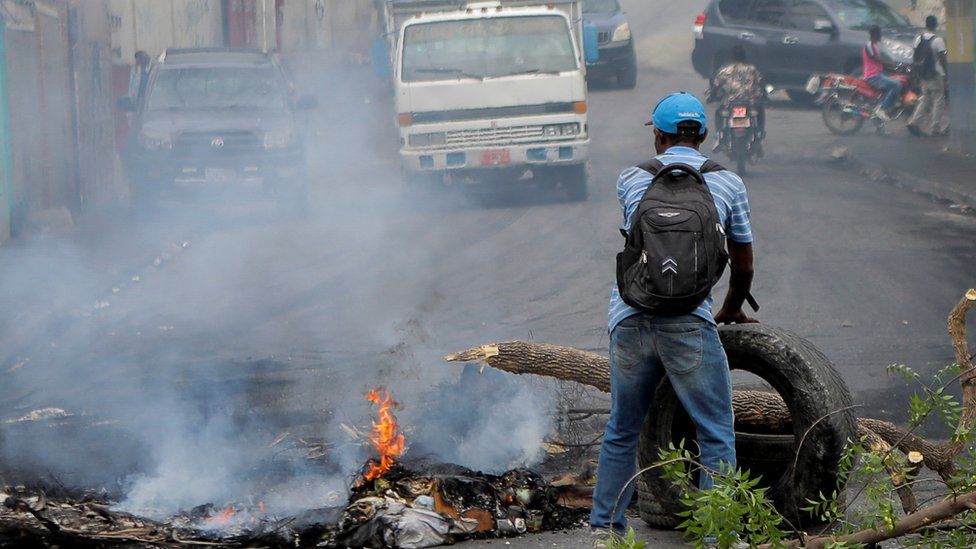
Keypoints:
pixel 427 139
pixel 621 33
pixel 153 141
pixel 561 130
pixel 277 139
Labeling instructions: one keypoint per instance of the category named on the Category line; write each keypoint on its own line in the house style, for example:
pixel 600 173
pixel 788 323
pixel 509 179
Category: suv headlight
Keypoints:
pixel 899 51
pixel 621 33
pixel 561 130
pixel 153 141
pixel 427 139
pixel 277 139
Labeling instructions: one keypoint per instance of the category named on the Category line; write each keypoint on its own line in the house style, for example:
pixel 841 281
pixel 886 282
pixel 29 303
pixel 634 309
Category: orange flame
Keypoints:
pixel 389 443
pixel 222 518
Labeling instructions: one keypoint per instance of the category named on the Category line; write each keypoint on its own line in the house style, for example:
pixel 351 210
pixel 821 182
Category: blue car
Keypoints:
pixel 616 45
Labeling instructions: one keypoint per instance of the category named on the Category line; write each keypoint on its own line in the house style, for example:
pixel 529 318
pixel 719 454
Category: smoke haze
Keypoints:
pixel 173 351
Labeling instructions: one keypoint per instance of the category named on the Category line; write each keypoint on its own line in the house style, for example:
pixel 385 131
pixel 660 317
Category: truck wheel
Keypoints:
pixel 627 76
pixel 143 197
pixel 819 404
pixel 801 98
pixel 291 196
pixel 573 179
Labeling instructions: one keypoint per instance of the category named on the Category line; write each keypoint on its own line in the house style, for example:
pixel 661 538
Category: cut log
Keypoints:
pixel 763 410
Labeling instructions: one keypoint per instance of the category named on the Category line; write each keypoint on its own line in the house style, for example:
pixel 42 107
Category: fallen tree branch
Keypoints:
pixel 928 516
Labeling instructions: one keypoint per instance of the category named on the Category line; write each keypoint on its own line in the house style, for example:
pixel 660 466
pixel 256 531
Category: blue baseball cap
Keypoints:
pixel 675 108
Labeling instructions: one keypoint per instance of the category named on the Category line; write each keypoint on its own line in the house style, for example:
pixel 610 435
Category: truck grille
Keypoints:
pixel 602 37
pixel 217 143
pixel 494 136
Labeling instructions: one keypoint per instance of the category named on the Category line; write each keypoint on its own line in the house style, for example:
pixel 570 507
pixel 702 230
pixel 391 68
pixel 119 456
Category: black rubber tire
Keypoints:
pixel 740 153
pixel 819 404
pixel 627 76
pixel 801 97
pixel 574 180
pixel 829 107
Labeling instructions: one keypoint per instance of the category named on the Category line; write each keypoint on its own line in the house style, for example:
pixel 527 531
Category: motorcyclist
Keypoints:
pixel 739 82
pixel 873 67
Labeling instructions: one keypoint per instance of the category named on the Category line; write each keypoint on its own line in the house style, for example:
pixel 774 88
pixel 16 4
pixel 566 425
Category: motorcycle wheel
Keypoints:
pixel 740 153
pixel 838 118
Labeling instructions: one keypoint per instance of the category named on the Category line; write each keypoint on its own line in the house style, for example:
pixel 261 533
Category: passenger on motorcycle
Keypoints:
pixel 873 72
pixel 739 82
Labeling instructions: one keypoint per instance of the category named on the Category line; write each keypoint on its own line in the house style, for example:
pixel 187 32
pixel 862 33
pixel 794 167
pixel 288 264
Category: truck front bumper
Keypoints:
pixel 558 153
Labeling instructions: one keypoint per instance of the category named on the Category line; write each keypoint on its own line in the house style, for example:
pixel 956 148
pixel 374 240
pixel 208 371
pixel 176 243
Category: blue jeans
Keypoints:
pixel 889 87
pixel 643 349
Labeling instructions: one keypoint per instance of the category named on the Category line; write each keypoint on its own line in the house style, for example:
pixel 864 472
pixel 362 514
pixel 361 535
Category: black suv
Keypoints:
pixel 216 117
pixel 615 43
pixel 789 40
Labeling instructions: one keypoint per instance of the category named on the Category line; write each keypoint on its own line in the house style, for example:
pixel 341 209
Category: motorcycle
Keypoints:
pixel 847 101
pixel 739 135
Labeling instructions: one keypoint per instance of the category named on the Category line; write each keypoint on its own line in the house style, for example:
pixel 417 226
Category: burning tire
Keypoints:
pixel 819 405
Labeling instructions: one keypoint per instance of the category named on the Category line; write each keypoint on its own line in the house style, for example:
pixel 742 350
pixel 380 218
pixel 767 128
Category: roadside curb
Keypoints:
pixel 841 158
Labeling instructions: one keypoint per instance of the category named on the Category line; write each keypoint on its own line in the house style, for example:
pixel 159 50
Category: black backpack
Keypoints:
pixel 923 59
pixel 675 249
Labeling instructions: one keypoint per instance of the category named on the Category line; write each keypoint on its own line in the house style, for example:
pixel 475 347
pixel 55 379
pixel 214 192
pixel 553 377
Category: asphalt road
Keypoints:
pixel 223 311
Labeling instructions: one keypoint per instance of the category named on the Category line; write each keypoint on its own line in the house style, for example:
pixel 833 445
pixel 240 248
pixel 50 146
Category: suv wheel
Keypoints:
pixel 627 74
pixel 801 97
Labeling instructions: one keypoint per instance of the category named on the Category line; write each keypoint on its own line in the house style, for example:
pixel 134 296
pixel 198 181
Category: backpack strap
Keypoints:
pixel 711 166
pixel 652 166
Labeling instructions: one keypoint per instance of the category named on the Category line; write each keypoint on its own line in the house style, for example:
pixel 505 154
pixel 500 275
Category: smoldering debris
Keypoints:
pixel 401 509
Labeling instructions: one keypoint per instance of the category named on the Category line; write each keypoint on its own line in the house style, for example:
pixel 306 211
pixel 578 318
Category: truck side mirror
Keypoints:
pixel 125 104
pixel 591 47
pixel 306 102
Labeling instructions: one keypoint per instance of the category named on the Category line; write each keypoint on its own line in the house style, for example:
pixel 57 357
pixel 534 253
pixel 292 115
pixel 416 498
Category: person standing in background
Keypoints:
pixel 138 76
pixel 930 67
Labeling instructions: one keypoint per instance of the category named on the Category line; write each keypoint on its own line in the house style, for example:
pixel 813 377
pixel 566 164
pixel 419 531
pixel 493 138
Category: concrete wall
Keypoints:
pixel 60 104
pixel 154 25
pixel 960 29
pixel 43 152
pixel 93 102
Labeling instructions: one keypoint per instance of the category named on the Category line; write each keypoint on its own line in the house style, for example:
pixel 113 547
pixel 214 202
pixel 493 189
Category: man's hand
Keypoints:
pixel 737 317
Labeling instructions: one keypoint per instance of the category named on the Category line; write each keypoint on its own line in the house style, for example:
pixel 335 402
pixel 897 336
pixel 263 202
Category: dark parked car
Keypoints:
pixel 789 40
pixel 616 45
pixel 216 117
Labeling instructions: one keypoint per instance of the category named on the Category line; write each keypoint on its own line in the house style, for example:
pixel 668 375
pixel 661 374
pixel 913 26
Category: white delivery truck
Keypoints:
pixel 490 88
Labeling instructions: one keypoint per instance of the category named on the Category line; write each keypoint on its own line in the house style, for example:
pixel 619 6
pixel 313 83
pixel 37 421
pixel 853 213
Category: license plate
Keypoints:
pixel 739 111
pixel 496 157
pixel 740 123
pixel 220 175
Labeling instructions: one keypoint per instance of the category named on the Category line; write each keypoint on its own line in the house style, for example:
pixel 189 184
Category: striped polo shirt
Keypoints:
pixel 729 193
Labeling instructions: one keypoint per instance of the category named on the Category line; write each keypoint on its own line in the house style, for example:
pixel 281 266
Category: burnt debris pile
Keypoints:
pixel 403 508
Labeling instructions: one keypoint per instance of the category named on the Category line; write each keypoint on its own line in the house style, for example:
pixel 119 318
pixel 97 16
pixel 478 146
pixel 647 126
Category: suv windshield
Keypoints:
pixel 216 88
pixel 600 6
pixel 861 14
pixel 487 48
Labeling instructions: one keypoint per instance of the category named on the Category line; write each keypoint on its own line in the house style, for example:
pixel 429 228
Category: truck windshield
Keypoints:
pixel 600 6
pixel 216 88
pixel 487 48
pixel 861 14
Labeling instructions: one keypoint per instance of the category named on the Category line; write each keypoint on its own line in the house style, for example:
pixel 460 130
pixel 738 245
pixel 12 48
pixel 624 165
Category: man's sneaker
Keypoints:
pixel 880 114
pixel 914 130
pixel 600 537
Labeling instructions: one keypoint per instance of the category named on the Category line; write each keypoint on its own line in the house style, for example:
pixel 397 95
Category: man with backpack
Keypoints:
pixel 679 209
pixel 929 66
